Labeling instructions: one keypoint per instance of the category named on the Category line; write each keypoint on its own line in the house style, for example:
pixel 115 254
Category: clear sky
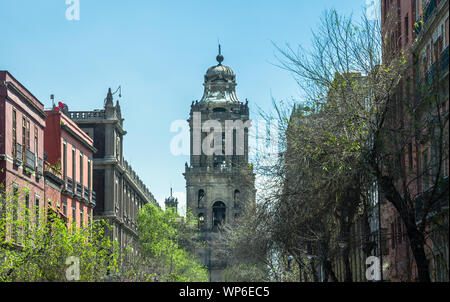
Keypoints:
pixel 158 51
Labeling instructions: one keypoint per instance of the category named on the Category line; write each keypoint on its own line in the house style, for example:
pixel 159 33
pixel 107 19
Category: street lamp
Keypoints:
pixel 342 244
pixel 290 258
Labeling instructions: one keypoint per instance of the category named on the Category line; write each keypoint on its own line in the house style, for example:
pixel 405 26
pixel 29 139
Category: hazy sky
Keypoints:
pixel 158 51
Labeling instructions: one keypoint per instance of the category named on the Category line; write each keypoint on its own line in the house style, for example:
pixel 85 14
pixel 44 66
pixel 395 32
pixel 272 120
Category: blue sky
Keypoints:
pixel 158 51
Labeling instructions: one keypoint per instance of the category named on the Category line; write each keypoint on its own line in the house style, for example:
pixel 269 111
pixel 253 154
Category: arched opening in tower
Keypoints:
pixel 219 210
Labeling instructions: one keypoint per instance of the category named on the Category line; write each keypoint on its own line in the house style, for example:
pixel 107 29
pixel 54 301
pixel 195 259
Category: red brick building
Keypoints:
pixel 22 123
pixel 419 28
pixel 69 168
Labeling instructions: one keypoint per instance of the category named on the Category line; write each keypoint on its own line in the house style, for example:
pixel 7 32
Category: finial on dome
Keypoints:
pixel 219 58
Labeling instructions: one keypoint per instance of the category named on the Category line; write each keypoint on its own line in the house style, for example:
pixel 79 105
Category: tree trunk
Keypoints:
pixel 348 269
pixel 417 242
pixel 415 236
pixel 329 273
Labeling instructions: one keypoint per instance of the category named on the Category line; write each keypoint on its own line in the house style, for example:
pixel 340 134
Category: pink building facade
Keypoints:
pixel 22 124
pixel 419 28
pixel 69 160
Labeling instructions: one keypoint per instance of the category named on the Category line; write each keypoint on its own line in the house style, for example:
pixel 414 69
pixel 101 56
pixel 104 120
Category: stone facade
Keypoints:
pixel 120 193
pixel 218 183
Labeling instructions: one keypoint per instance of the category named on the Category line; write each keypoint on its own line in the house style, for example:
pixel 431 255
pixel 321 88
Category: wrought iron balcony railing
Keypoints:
pixel 18 156
pixel 86 193
pixel 94 198
pixel 79 190
pixel 30 160
pixel 69 184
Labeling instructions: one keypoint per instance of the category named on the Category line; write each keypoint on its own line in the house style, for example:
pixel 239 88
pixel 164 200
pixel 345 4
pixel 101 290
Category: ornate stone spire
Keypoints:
pixel 220 83
pixel 171 202
pixel 109 99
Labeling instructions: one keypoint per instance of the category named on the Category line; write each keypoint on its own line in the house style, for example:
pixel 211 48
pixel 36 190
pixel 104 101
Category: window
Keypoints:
pixel 14 132
pixel 118 147
pixel 37 210
pixel 201 221
pixel 64 160
pixel 81 168
pixel 28 135
pixel 36 159
pixel 27 212
pixel 219 211
pixel 74 213
pixel 201 194
pixel 219 109
pixel 65 207
pixel 406 29
pixel 81 216
pixel 15 212
pixel 74 168
pixel 89 178
pixel 24 141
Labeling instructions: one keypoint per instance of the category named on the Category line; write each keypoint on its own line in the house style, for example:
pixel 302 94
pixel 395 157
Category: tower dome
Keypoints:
pixel 220 83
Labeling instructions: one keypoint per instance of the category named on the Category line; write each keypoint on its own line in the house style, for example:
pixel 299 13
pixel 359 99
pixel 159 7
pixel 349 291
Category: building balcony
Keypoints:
pixel 79 191
pixel 86 193
pixel 18 155
pixel 429 10
pixel 40 170
pixel 93 198
pixel 30 160
pixel 69 185
pixel 438 205
pixel 436 71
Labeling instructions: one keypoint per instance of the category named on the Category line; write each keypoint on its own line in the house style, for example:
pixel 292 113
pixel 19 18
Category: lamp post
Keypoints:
pixel 290 258
pixel 342 244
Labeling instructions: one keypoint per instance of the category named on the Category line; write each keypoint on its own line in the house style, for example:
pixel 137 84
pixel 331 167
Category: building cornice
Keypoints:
pixel 79 138
pixel 16 90
pixel 427 30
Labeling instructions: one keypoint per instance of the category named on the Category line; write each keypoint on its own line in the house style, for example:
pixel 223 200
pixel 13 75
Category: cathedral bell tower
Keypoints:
pixel 219 179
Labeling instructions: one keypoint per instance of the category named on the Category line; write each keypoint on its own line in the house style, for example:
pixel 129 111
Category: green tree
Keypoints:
pixel 36 246
pixel 165 239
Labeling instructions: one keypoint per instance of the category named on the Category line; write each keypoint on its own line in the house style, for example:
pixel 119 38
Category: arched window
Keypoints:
pixel 219 210
pixel 236 197
pixel 219 109
pixel 201 194
pixel 201 221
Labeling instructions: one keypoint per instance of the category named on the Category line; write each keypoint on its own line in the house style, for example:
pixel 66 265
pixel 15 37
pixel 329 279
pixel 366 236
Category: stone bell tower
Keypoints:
pixel 219 179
